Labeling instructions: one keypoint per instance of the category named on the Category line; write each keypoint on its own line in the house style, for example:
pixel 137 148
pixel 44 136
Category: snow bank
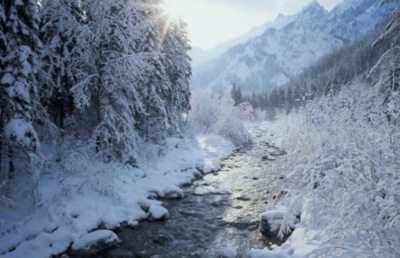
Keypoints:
pixel 80 194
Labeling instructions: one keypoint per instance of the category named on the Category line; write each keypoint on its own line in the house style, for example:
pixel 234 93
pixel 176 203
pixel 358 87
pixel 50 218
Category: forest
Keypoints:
pixel 111 74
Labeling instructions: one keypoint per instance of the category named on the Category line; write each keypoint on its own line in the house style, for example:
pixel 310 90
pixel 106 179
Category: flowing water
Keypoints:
pixel 220 210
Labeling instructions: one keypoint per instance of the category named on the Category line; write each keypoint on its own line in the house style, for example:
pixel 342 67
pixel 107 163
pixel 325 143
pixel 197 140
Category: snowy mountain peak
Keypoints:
pixel 312 9
pixel 280 53
pixel 313 5
pixel 280 17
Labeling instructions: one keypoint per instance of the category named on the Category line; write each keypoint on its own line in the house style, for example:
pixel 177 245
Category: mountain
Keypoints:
pixel 200 56
pixel 278 54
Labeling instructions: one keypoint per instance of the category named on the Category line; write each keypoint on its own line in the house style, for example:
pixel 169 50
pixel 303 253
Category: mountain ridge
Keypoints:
pixel 272 58
pixel 200 56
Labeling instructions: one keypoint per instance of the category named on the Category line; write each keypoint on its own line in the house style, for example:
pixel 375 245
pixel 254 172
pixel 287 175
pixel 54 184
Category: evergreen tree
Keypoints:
pixel 393 27
pixel 289 100
pixel 236 94
pixel 20 47
pixel 115 98
pixel 165 82
pixel 386 74
pixel 3 99
pixel 155 85
pixel 177 62
pixel 66 39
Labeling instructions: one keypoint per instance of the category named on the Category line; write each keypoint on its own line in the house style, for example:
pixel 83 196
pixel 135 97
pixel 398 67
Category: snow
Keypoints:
pixel 21 131
pixel 271 58
pixel 215 149
pixel 302 242
pixel 20 90
pixel 172 191
pixel 7 79
pixel 229 252
pixel 274 218
pixel 88 240
pixel 73 203
pixel 158 212
pixel 280 79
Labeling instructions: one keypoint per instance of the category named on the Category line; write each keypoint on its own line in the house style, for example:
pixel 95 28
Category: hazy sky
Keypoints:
pixel 215 21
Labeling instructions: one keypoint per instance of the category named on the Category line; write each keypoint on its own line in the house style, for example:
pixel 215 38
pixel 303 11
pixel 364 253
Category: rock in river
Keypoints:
pixel 94 242
pixel 157 212
pixel 271 221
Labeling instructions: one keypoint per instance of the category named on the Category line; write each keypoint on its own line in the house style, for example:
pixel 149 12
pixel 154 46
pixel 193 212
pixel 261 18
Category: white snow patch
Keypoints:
pixel 22 132
pixel 158 212
pixel 172 191
pixel 91 239
pixel 299 244
pixel 7 79
pixel 229 252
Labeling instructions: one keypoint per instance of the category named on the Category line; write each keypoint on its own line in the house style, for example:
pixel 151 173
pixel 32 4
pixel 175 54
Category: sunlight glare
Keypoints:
pixel 174 8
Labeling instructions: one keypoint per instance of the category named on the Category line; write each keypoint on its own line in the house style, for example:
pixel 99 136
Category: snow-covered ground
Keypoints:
pixel 341 166
pixel 71 206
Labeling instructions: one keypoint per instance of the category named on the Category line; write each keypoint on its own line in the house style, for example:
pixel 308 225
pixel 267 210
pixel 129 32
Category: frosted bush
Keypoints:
pixel 216 114
pixel 342 162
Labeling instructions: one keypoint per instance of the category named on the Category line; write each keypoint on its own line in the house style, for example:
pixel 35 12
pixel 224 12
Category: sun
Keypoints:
pixel 173 8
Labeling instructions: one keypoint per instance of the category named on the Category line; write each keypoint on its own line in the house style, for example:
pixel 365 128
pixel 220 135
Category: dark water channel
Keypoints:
pixel 218 211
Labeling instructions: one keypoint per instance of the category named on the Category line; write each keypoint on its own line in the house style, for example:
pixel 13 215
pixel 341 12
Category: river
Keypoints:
pixel 220 210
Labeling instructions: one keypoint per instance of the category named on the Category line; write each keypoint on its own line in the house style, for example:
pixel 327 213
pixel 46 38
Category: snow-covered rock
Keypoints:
pixel 271 221
pixel 229 252
pixel 157 212
pixel 274 152
pixel 268 157
pixel 171 192
pixel 94 242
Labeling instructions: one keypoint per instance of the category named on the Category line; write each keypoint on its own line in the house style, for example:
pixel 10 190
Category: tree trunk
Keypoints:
pixel 1 142
pixel 1 156
pixel 11 168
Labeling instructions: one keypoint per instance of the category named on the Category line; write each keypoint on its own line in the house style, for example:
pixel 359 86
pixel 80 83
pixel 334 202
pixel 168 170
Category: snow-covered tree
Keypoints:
pixel 118 64
pixel 386 74
pixel 65 61
pixel 3 43
pixel 391 32
pixel 236 94
pixel 177 64
pixel 20 47
pixel 165 79
pixel 122 65
pixel 154 82
pixel 217 114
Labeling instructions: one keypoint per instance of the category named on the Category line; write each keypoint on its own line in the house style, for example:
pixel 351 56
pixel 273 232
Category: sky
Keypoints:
pixel 216 21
